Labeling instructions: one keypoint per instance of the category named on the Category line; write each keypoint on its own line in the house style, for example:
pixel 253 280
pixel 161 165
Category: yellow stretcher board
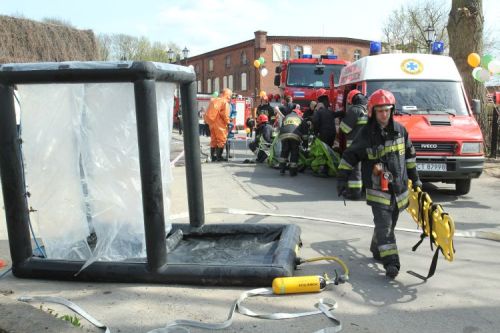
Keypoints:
pixel 431 218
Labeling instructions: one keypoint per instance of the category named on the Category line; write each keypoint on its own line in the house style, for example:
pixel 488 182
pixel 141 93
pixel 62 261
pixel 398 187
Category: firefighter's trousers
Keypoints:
pixel 384 240
pixel 354 183
pixel 290 147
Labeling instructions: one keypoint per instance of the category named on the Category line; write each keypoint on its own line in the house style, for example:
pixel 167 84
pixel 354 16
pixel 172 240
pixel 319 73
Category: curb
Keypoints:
pixel 18 317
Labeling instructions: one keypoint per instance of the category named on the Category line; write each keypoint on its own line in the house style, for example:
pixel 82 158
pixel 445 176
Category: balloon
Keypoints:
pixel 485 60
pixel 264 72
pixel 215 94
pixel 262 60
pixel 256 63
pixel 473 59
pixel 475 71
pixel 262 94
pixel 494 66
pixel 483 75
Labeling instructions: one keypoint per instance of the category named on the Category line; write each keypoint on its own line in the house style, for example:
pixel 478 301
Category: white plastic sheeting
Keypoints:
pixel 81 163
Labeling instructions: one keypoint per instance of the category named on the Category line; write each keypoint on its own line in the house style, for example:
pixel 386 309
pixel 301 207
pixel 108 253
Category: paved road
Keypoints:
pixel 464 296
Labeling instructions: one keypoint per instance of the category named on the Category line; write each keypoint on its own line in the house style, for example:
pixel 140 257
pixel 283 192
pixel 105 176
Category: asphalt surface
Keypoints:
pixel 463 296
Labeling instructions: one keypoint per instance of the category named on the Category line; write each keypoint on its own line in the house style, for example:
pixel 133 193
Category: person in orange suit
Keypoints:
pixel 217 118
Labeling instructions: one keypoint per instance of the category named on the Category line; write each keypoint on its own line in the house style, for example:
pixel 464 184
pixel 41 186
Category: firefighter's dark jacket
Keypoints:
pixel 264 132
pixel 393 148
pixel 353 121
pixel 293 127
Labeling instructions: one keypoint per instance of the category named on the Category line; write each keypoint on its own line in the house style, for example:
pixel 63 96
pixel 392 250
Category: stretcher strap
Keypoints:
pixel 432 268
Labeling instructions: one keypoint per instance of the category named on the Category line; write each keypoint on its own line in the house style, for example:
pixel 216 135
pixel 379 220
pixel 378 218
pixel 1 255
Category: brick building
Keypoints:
pixel 232 66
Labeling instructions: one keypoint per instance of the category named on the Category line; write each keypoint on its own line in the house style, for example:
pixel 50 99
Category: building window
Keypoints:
pixel 200 88
pixel 227 61
pixel 329 51
pixel 216 84
pixel 197 68
pixel 230 82
pixel 243 58
pixel 243 81
pixel 285 52
pixel 224 82
pixel 209 86
pixel 357 54
pixel 298 51
pixel 211 65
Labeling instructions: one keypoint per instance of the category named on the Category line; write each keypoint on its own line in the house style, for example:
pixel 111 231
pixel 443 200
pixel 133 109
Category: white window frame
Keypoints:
pixel 216 84
pixel 230 82
pixel 243 77
pixel 285 52
pixel 298 51
pixel 224 82
pixel 209 86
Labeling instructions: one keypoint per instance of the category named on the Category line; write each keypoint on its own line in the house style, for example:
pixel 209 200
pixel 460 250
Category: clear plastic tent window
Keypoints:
pixel 81 163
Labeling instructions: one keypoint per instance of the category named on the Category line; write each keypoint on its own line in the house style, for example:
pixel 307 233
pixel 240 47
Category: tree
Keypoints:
pixel 465 28
pixel 104 47
pixel 405 27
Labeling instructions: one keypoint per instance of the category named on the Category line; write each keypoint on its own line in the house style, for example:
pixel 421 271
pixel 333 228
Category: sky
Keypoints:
pixel 202 26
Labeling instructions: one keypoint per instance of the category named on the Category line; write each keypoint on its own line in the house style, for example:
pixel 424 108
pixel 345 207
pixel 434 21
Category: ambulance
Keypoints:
pixel 432 104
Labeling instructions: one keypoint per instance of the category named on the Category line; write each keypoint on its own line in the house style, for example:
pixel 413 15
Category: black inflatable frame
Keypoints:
pixel 157 268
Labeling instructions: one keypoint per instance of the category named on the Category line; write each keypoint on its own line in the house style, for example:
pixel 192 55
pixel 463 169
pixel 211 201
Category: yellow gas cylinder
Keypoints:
pixel 299 284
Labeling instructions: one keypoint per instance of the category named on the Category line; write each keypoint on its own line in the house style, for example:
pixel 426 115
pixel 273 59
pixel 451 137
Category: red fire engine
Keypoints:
pixel 301 78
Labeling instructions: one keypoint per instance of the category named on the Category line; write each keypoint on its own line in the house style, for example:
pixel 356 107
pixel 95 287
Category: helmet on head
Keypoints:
pixel 351 95
pixel 320 92
pixel 262 119
pixel 380 97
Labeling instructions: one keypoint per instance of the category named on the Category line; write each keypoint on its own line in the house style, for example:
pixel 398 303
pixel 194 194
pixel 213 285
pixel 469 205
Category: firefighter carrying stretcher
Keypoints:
pixel 387 159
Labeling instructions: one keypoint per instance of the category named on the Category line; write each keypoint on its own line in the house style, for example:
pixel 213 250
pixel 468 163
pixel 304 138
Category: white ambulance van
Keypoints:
pixel 431 103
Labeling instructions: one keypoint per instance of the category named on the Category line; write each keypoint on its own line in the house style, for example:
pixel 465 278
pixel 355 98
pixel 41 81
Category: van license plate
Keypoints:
pixel 431 166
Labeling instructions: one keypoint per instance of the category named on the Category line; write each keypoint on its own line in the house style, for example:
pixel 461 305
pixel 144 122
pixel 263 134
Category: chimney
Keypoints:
pixel 260 39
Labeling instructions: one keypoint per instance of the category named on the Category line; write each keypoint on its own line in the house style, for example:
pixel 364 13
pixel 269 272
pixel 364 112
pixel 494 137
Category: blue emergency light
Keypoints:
pixel 307 56
pixel 330 56
pixel 437 47
pixel 375 48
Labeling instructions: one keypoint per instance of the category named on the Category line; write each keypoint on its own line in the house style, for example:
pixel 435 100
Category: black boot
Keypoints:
pixel 282 167
pixel 213 158
pixel 219 155
pixel 391 271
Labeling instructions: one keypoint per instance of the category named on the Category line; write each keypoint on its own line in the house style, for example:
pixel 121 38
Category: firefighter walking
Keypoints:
pixel 355 118
pixel 387 161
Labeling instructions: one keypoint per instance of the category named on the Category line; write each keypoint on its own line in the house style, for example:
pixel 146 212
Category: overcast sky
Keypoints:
pixel 205 25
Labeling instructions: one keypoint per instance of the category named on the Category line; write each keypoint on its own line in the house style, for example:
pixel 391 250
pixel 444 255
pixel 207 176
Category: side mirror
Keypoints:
pixel 476 106
pixel 277 80
pixel 277 70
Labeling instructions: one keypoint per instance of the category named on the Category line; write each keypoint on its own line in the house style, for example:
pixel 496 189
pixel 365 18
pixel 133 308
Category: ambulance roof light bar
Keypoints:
pixel 375 48
pixel 437 47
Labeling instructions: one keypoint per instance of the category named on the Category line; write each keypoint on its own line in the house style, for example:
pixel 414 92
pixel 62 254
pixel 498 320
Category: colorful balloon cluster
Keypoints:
pixel 258 63
pixel 484 67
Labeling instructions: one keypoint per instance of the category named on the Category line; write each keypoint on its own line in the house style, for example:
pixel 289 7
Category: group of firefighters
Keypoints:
pixel 379 156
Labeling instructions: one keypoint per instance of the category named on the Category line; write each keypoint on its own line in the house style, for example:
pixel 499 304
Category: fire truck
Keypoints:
pixel 301 78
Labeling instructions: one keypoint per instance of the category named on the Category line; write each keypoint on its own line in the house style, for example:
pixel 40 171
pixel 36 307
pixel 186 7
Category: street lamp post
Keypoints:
pixel 185 54
pixel 170 55
pixel 429 33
